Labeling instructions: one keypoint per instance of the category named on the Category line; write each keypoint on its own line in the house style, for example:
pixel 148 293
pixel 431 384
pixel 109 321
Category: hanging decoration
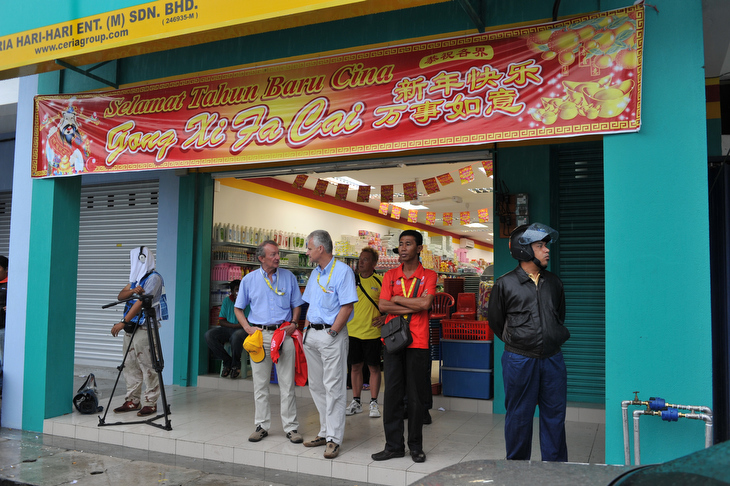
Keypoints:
pixel 363 194
pixel 321 188
pixel 341 192
pixel 445 179
pixel 300 181
pixel 413 215
pixel 410 192
pixel 432 187
pixel 464 218
pixel 430 218
pixel 395 213
pixel 483 215
pixel 488 167
pixel 386 193
pixel 383 208
pixel 448 219
pixel 466 175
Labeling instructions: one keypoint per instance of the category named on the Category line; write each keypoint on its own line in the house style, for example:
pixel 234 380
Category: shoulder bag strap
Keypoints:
pixel 359 284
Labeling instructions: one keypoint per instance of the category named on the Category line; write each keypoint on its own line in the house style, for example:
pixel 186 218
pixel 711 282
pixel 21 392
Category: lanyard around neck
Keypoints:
pixel 328 278
pixel 266 279
pixel 403 286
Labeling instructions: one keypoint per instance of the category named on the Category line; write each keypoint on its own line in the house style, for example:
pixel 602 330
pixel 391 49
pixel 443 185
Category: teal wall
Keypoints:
pixel 658 326
pixel 656 243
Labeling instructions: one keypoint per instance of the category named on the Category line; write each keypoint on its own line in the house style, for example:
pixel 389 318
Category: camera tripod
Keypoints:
pixel 158 362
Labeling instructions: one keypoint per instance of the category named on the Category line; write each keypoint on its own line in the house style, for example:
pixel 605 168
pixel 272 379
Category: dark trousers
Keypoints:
pixel 413 364
pixel 217 337
pixel 530 382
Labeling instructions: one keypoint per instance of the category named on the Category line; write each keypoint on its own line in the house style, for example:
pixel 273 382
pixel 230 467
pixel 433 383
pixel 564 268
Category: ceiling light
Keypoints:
pixel 476 225
pixel 408 205
pixel 480 190
pixel 353 183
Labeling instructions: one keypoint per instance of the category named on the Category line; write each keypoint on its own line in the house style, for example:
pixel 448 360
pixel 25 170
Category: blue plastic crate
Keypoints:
pixel 466 354
pixel 466 383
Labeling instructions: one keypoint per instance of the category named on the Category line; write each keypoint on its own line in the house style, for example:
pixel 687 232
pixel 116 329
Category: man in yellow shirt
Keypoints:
pixel 364 331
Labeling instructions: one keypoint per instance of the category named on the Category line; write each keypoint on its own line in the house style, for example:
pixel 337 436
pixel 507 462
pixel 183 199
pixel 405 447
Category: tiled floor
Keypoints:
pixel 214 419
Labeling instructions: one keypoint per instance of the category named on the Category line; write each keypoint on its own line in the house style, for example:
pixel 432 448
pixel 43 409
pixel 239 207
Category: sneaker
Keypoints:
pixel 295 437
pixel 128 406
pixel 147 410
pixel 353 408
pixel 316 442
pixel 374 410
pixel 332 450
pixel 258 434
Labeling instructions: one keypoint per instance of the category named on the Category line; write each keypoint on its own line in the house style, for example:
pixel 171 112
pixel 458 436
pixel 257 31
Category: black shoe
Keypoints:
pixel 426 419
pixel 384 455
pixel 418 456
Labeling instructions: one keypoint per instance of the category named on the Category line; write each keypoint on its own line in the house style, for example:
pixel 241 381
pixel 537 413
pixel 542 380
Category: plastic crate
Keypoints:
pixel 466 383
pixel 466 330
pixel 467 354
pixel 435 388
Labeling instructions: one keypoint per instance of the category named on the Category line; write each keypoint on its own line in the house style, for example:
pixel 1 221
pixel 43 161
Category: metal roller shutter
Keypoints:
pixel 581 266
pixel 114 219
pixel 5 199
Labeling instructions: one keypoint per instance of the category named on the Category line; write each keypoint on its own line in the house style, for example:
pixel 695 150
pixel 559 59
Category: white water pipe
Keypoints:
pixel 707 418
pixel 625 416
pixel 637 447
pixel 705 415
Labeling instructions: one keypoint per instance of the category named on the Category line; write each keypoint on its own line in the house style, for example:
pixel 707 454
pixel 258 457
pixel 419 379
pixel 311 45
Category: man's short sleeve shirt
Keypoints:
pixel 392 286
pixel 329 294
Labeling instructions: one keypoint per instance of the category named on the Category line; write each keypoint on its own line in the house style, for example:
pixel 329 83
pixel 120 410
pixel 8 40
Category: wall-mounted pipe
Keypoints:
pixel 668 412
pixel 637 446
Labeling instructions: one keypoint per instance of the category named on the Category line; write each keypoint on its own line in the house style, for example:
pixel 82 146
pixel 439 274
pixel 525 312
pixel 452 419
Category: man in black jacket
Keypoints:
pixel 527 311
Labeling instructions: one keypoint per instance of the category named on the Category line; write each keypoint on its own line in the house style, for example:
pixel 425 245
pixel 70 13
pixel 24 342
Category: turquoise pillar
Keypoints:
pixel 195 222
pixel 51 309
pixel 658 329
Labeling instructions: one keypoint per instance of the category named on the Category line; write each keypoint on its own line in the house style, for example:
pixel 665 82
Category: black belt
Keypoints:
pixel 273 327
pixel 319 327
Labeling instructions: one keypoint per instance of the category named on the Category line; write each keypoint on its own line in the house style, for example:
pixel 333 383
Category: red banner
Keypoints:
pixel 569 78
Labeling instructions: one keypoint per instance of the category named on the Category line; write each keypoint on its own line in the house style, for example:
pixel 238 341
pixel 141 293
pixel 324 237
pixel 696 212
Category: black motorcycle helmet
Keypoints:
pixel 522 238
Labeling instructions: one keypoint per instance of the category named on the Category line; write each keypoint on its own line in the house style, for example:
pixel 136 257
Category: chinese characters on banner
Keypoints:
pixel 569 78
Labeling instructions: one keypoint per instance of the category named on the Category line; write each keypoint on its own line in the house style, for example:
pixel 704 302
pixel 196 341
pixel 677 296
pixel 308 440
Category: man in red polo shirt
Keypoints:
pixel 399 296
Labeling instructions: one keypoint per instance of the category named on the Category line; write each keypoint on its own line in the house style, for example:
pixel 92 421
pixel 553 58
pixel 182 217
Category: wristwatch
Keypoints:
pixel 332 332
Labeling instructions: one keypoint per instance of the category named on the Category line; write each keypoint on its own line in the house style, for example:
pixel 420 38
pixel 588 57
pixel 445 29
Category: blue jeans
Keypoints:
pixel 531 382
pixel 218 336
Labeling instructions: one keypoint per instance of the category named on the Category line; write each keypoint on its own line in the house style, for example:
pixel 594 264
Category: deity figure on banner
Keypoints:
pixel 66 146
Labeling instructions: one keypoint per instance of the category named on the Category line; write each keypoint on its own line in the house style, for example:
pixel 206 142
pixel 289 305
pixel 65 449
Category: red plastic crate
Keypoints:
pixel 466 330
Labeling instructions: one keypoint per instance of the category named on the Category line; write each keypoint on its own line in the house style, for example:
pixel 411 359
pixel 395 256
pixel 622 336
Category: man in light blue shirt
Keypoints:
pixel 331 294
pixel 275 299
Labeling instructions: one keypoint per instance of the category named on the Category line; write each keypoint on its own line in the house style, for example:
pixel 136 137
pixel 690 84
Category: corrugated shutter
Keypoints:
pixel 5 199
pixel 114 219
pixel 581 266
